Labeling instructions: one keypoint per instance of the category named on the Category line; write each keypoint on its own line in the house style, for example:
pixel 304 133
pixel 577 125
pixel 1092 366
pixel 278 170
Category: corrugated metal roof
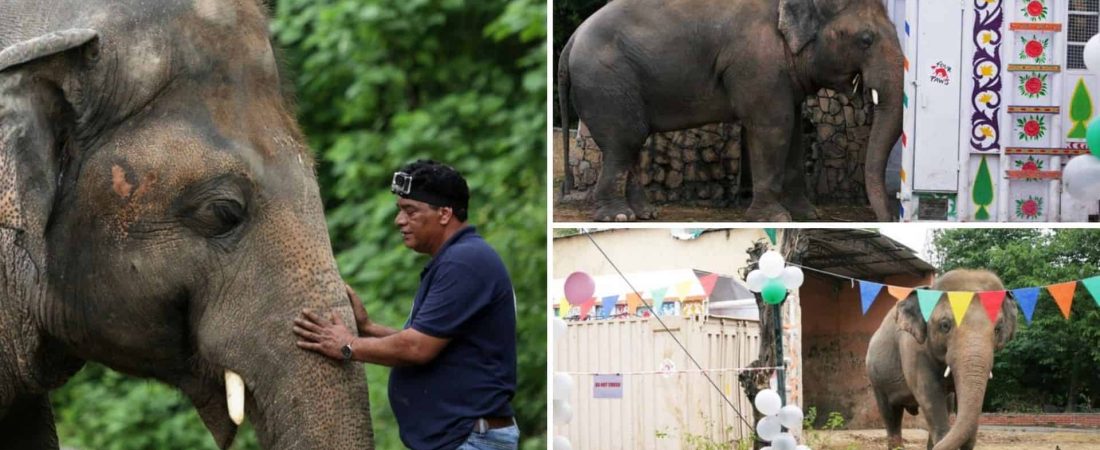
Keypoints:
pixel 860 253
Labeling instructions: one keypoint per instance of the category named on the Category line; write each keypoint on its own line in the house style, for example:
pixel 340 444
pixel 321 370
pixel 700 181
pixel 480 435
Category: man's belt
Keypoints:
pixel 485 424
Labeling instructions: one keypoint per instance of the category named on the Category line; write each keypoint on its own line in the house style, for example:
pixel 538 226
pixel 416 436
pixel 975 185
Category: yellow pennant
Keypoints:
pixel 960 302
pixel 682 289
pixel 563 308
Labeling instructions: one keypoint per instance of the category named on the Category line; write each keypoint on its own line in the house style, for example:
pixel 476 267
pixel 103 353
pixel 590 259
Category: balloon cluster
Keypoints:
pixel 1081 176
pixel 772 280
pixel 776 417
pixel 563 387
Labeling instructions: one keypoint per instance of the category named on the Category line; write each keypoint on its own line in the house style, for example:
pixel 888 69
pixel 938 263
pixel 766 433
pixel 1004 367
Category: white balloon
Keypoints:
pixel 563 386
pixel 561 443
pixel 784 442
pixel 792 277
pixel 768 428
pixel 1081 178
pixel 1092 54
pixel 559 328
pixel 771 263
pixel 563 412
pixel 802 447
pixel 791 417
pixel 766 448
pixel 767 402
pixel 756 280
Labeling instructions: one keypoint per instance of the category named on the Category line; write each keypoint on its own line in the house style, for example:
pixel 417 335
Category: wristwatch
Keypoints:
pixel 346 351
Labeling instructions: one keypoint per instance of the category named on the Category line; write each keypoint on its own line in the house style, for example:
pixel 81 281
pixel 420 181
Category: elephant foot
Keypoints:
pixel 644 211
pixel 614 213
pixel 771 213
pixel 895 443
pixel 802 209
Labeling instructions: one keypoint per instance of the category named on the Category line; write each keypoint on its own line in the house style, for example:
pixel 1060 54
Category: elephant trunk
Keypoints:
pixel 971 376
pixel 884 80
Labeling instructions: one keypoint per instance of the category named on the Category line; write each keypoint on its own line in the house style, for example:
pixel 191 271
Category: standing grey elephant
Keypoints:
pixel 914 364
pixel 637 67
pixel 159 214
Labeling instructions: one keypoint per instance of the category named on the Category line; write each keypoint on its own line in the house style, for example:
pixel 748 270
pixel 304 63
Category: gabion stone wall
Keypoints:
pixel 703 166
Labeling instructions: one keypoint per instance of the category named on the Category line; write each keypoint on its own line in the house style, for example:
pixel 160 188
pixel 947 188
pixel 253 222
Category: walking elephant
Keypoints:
pixel 159 214
pixel 637 67
pixel 915 364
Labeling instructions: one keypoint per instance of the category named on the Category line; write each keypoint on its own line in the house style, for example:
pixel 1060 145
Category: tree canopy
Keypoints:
pixel 1051 363
pixel 381 83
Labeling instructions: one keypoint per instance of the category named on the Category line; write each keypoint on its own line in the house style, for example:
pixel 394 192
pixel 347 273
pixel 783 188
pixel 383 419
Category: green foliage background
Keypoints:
pixel 1051 363
pixel 380 83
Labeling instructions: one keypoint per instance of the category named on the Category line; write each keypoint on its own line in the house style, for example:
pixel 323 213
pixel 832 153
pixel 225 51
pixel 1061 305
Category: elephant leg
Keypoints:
pixel 891 416
pixel 794 179
pixel 768 140
pixel 620 135
pixel 28 424
pixel 635 194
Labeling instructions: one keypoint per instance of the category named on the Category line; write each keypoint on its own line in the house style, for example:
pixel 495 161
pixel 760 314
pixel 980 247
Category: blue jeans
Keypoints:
pixel 506 438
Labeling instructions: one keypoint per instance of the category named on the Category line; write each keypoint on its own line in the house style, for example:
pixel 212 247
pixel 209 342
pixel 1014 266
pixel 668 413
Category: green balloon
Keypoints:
pixel 774 291
pixel 1092 136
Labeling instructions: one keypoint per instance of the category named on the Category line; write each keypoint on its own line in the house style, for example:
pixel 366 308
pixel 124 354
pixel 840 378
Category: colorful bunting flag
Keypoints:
pixel 609 303
pixel 586 307
pixel 682 289
pixel 563 308
pixel 960 301
pixel 1093 286
pixel 708 281
pixel 991 301
pixel 927 300
pixel 632 302
pixel 1063 295
pixel 1026 298
pixel 867 292
pixel 771 234
pixel 899 292
pixel 658 297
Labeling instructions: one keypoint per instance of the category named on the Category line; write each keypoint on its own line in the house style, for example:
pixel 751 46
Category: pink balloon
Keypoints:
pixel 579 287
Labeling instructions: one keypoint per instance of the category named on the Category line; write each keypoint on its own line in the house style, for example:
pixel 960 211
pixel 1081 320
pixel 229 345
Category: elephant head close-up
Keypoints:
pixel 914 364
pixel 159 213
pixel 712 61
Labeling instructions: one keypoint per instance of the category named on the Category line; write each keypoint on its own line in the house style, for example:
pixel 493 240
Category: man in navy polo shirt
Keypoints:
pixel 454 363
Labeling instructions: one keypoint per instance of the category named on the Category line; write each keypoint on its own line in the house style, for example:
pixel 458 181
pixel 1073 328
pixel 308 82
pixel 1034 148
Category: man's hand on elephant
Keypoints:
pixel 324 336
pixel 362 320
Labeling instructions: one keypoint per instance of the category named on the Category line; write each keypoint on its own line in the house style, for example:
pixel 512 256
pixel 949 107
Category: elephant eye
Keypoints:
pixel 998 329
pixel 945 326
pixel 217 218
pixel 866 38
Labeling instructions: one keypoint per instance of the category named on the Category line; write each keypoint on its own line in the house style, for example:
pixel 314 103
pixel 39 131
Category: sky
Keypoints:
pixel 917 236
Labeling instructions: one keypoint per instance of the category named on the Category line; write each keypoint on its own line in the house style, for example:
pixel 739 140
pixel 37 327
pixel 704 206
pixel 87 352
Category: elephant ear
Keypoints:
pixel 1007 321
pixel 799 21
pixel 34 115
pixel 910 319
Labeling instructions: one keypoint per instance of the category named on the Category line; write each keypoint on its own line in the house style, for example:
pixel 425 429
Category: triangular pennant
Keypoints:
pixel 632 303
pixel 1093 286
pixel 682 288
pixel 1063 295
pixel 1026 298
pixel 927 300
pixel 708 281
pixel 609 303
pixel 899 292
pixel 867 293
pixel 960 302
pixel 771 234
pixel 586 307
pixel 658 297
pixel 991 301
pixel 563 308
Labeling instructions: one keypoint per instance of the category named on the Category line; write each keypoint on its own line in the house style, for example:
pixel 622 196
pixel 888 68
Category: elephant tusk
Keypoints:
pixel 990 374
pixel 947 372
pixel 234 396
pixel 874 96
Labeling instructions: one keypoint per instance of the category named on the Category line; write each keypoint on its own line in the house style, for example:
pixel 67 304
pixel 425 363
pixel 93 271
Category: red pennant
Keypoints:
pixel 1063 295
pixel 587 306
pixel 991 301
pixel 708 282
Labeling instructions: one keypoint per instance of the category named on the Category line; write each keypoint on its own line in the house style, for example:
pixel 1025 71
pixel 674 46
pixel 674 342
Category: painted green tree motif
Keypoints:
pixel 1080 110
pixel 983 191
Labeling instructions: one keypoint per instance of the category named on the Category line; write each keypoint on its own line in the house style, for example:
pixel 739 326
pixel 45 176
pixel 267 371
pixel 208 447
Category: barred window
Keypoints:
pixel 1084 19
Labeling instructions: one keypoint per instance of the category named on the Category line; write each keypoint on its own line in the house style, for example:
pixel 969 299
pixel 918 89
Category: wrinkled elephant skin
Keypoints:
pixel 908 360
pixel 637 67
pixel 159 214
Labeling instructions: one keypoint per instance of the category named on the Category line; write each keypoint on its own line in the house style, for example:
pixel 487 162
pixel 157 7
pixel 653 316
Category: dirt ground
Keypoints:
pixel 989 438
pixel 580 211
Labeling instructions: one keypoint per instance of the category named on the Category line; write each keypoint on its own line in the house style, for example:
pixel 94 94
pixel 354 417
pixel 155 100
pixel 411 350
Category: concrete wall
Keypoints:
pixel 644 249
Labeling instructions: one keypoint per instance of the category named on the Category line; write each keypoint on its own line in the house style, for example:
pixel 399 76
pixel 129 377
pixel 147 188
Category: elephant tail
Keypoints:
pixel 563 103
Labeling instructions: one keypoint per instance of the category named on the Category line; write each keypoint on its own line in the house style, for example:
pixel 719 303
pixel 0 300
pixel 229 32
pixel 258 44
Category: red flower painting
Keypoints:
pixel 1029 208
pixel 1033 49
pixel 1031 127
pixel 1035 8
